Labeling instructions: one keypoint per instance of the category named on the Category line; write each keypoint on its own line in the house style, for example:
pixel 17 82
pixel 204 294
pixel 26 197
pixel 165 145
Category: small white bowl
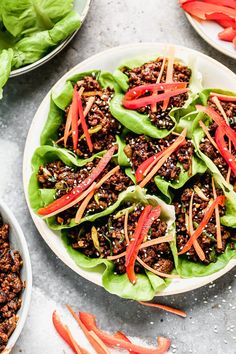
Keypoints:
pixel 18 242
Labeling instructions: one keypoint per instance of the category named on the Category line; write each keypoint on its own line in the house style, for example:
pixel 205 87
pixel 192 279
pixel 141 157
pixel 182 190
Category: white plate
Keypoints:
pixel 209 30
pixel 18 242
pixel 108 60
pixel 82 7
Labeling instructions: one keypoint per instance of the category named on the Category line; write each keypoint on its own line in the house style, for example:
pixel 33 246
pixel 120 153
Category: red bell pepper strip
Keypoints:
pixel 90 322
pixel 225 153
pixel 141 90
pixel 226 23
pixel 165 308
pixel 208 214
pixel 74 118
pixel 199 9
pixel 148 100
pixel 133 247
pixel 227 34
pixel 227 3
pixel 234 42
pixel 231 134
pixel 75 192
pixel 65 334
pixel 98 348
pixel 84 124
pixel 222 97
pixel 122 336
pixel 153 215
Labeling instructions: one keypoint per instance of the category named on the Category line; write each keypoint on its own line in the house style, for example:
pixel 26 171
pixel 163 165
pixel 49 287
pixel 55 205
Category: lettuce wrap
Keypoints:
pixel 140 123
pixel 148 283
pixel 40 197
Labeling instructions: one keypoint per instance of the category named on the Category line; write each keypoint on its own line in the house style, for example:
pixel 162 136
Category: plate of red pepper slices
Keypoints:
pixel 214 21
pixel 108 61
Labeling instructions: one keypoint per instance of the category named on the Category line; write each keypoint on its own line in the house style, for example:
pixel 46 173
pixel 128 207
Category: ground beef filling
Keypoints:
pixel 99 119
pixel 62 178
pixel 208 238
pixel 148 74
pixel 209 150
pixel 140 147
pixel 10 286
pixel 111 238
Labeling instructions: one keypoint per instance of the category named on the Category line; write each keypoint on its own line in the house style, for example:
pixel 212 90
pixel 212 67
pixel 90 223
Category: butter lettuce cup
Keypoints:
pixel 151 87
pixel 131 242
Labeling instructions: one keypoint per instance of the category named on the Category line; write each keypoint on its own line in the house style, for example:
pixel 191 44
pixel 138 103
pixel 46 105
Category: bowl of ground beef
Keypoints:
pixel 15 279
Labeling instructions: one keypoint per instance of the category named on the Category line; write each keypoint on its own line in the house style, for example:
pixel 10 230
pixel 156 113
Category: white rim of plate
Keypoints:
pixel 40 224
pixel 208 39
pixel 28 271
pixel 27 68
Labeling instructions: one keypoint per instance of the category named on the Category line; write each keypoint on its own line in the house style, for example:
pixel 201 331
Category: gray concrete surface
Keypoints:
pixel 209 327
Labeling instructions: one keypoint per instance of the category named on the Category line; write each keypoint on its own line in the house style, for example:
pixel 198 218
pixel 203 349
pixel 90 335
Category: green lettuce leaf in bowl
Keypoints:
pixel 148 283
pixel 140 123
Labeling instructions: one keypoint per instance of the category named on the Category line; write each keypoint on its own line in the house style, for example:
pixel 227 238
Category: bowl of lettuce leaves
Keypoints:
pixel 34 31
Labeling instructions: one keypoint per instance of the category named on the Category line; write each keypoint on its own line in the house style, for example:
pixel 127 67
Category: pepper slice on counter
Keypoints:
pixel 141 90
pixel 149 100
pixel 208 214
pixel 231 134
pixel 84 124
pixel 65 334
pixel 223 149
pixel 66 199
pixel 89 321
pixel 133 247
pixel 122 336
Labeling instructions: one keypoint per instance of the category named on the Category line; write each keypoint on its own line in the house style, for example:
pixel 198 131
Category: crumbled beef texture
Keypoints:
pixel 209 150
pixel 139 148
pixel 229 108
pixel 63 178
pixel 112 242
pixel 10 286
pixel 207 240
pixel 99 118
pixel 148 73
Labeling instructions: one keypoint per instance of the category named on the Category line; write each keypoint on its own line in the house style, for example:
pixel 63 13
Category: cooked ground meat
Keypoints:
pixel 10 286
pixel 63 178
pixel 207 240
pixel 148 73
pixel 99 119
pixel 110 233
pixel 209 150
pixel 140 147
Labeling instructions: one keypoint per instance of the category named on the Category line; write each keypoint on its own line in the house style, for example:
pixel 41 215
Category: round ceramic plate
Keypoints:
pixel 109 60
pixel 82 7
pixel 209 30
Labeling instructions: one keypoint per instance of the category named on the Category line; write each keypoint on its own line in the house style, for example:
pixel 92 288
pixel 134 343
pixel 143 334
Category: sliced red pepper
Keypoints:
pixel 148 100
pixel 220 141
pixel 234 42
pixel 90 322
pixel 222 97
pixel 84 124
pixel 226 23
pixel 133 247
pixel 227 3
pixel 141 90
pixel 65 334
pixel 231 134
pixel 200 9
pixel 75 192
pixel 74 118
pixel 227 34
pixel 139 174
pixel 92 341
pixel 122 336
pixel 208 214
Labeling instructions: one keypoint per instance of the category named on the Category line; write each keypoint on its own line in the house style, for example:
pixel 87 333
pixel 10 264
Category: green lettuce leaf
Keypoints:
pixel 137 122
pixel 5 67
pixel 27 16
pixel 148 284
pixel 34 47
pixel 205 94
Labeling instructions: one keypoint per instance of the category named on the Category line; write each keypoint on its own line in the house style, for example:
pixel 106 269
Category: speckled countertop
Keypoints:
pixel 209 327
